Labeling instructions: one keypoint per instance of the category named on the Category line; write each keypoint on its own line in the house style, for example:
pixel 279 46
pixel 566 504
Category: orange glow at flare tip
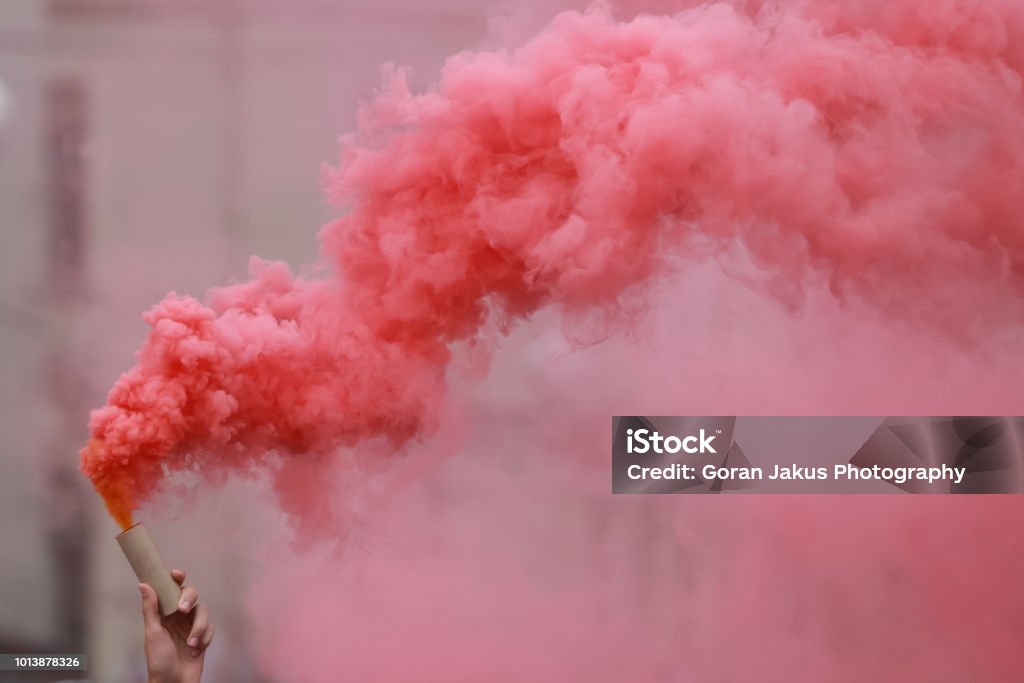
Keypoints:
pixel 118 505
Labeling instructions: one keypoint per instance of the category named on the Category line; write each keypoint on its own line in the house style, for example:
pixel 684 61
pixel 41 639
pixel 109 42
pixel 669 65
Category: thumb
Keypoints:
pixel 150 606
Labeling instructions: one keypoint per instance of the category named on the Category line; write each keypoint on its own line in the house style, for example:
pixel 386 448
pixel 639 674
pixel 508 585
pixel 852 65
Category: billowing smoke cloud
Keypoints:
pixel 509 561
pixel 877 150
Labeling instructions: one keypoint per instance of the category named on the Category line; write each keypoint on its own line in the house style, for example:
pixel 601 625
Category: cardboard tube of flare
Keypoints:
pixel 138 547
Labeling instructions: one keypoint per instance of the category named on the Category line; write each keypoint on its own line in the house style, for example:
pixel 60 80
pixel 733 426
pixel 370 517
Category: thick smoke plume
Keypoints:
pixel 509 561
pixel 878 149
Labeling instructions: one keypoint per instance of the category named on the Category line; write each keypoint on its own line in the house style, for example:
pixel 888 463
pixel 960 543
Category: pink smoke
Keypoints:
pixel 878 150
pixel 509 560
pixel 522 568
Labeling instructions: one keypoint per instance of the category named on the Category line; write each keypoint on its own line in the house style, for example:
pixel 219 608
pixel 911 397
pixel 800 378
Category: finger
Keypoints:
pixel 178 576
pixel 150 607
pixel 200 624
pixel 207 639
pixel 188 600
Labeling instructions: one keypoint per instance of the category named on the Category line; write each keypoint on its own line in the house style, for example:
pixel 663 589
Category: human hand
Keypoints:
pixel 175 645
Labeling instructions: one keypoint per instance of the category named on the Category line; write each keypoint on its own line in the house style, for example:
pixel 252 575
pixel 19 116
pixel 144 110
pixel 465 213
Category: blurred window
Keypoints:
pixel 66 136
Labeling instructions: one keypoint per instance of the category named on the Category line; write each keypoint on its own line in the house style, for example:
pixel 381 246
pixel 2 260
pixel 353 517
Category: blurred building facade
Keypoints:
pixel 148 146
